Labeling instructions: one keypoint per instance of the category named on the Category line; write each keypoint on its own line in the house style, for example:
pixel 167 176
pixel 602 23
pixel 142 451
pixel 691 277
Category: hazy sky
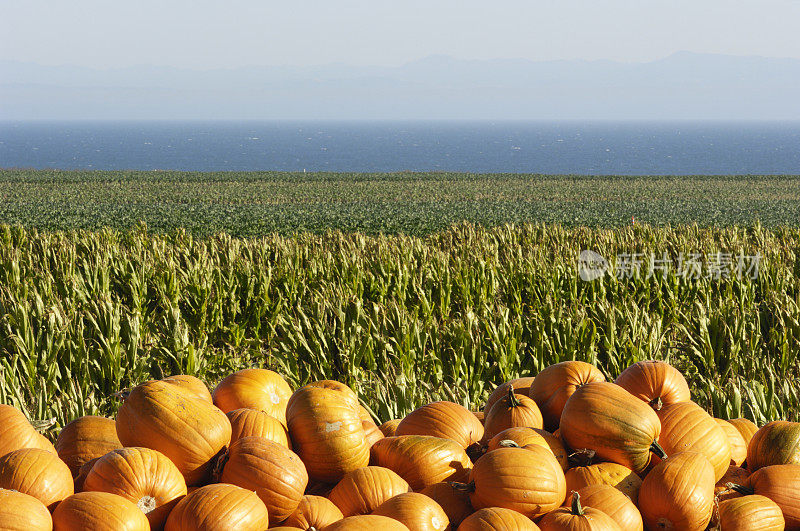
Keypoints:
pixel 203 34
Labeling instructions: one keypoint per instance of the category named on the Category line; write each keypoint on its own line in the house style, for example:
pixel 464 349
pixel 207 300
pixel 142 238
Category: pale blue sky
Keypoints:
pixel 203 34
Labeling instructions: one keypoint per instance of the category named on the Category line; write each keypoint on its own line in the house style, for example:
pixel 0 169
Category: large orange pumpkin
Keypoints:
pixel 326 433
pixel 455 502
pixel 314 512
pixel 253 423
pixel 512 411
pixel 614 475
pixel 100 511
pixel 38 473
pixel 190 431
pixel 554 385
pixel 143 476
pixel 617 426
pixel 746 427
pixel 521 386
pixel 529 481
pixel 781 484
pixel 615 504
pixel 776 443
pixel 422 460
pixel 443 419
pixel 678 493
pixel 736 441
pixel 346 392
pixel 656 382
pixel 578 518
pixel 685 426
pixel 416 511
pixel 22 512
pixel 362 491
pixel 217 507
pixel 17 433
pixel 86 438
pixel 497 519
pixel 259 389
pixel 750 513
pixel 190 385
pixel 524 436
pixel 367 522
pixel 275 473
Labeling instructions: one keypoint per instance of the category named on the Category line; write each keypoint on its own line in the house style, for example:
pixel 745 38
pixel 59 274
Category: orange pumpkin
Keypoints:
pixel 614 475
pixel 346 392
pixel 367 522
pixel 253 423
pixel 578 518
pixel 678 493
pixel 190 431
pixel 736 441
pixel 143 476
pixel 750 513
pixel 422 460
pixel 38 473
pixel 362 491
pixel 190 385
pixel 615 504
pixel 554 385
pixel 274 472
pixel 746 427
pixel 219 506
pixel 314 512
pixel 521 386
pixel 686 427
pixel 389 428
pixel 735 475
pixel 524 436
pixel 22 512
pixel 656 382
pixel 259 389
pixel 326 433
pixel 17 433
pixel 617 426
pixel 454 502
pixel 512 411
pixel 776 443
pixel 497 519
pixel 529 481
pixel 443 419
pixel 101 511
pixel 84 439
pixel 781 484
pixel 480 415
pixel 416 511
pixel 371 432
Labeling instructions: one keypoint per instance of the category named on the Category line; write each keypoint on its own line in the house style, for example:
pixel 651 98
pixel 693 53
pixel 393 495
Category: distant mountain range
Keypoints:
pixel 683 85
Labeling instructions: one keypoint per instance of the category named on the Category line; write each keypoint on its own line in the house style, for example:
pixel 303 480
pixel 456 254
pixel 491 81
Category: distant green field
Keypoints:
pixel 257 203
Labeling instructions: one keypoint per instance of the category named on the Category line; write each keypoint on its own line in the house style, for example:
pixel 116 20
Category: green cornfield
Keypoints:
pixel 402 319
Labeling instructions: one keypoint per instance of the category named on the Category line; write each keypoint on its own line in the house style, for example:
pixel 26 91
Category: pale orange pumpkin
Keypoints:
pixel 17 433
pixel 259 389
pixel 614 475
pixel 219 506
pixel 314 512
pixel 22 512
pixel 615 504
pixel 443 419
pixel 98 511
pixel 253 423
pixel 497 519
pixel 190 385
pixel 86 438
pixel 524 436
pixel 371 432
pixel 737 443
pixel 422 460
pixel 36 472
pixel 746 428
pixel 417 511
pixel 578 518
pixel 362 491
pixel 521 386
pixel 512 411
pixel 656 382
pixel 750 513
pixel 554 385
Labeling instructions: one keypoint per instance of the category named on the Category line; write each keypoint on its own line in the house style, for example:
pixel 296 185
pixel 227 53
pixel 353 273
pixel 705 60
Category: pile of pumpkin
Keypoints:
pixel 562 450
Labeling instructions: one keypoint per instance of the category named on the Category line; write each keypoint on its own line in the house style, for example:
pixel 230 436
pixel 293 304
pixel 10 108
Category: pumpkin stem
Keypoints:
pixel 741 489
pixel 463 487
pixel 218 464
pixel 656 449
pixel 122 395
pixel 577 510
pixel 146 504
pixel 512 398
pixel 656 403
pixel 582 457
pixel 508 443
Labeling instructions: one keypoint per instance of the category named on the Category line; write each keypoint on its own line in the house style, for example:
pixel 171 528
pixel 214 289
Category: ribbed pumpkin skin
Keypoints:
pixel 524 436
pixel 619 427
pixel 746 427
pixel 371 432
pixel 346 392
pixel 326 433
pixel 614 475
pixel 521 386
pixel 678 492
pixel 389 428
pixel 16 432
pixel 615 504
pixel 529 481
pixel 781 484
pixel 415 511
pixel 314 511
pixel 776 443
pixel 219 507
pixel 22 512
pixel 259 389
pixel 367 522
pixel 253 423
pixel 143 476
pixel 98 511
pixel 454 502
pixel 565 519
pixel 686 427
pixel 190 385
pixel 188 430
pixel 736 441
pixel 422 460
pixel 507 413
pixel 275 473
pixel 554 385
pixel 735 475
pixel 656 382
pixel 38 473
pixel 750 513
pixel 443 419
pixel 362 491
pixel 497 519
pixel 86 438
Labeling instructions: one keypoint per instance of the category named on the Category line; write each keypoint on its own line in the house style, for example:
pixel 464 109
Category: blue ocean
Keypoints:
pixel 568 147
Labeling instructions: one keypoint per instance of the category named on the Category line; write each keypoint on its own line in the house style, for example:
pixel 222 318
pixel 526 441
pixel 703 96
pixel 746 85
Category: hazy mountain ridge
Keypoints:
pixel 683 85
